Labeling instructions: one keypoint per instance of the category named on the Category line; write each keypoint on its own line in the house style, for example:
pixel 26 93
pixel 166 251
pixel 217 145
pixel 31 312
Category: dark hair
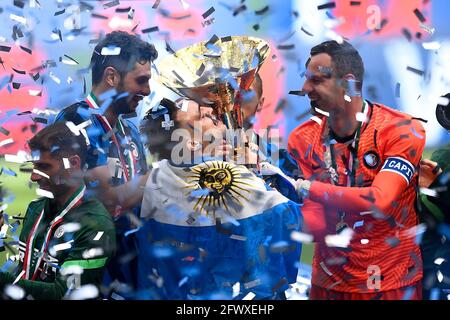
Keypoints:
pixel 132 50
pixel 60 141
pixel 158 139
pixel 345 58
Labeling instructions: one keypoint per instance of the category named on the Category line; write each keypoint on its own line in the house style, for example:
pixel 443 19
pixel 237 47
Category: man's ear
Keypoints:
pixel 111 76
pixel 75 162
pixel 351 85
pixel 261 104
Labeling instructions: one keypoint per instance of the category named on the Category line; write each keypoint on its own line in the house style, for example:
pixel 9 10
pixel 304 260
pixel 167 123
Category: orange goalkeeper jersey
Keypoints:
pixel 378 205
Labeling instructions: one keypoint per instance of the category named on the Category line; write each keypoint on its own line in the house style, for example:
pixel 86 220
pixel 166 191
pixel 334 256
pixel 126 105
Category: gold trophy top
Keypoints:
pixel 211 72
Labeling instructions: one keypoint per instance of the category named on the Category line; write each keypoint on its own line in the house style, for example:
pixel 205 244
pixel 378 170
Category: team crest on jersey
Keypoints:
pixel 59 232
pixel 134 150
pixel 371 159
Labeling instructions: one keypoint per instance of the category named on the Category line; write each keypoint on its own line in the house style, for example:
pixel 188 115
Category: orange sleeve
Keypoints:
pixel 313 212
pixel 402 146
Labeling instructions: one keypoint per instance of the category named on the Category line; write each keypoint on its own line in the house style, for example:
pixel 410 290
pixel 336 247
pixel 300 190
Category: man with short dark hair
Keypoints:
pixel 359 163
pixel 67 237
pixel 121 70
pixel 119 81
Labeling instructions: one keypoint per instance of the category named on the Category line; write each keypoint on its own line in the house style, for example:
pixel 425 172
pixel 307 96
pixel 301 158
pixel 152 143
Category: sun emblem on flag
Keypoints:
pixel 221 184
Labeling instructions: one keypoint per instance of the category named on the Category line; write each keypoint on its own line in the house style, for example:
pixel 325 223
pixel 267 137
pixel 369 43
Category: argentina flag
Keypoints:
pixel 215 231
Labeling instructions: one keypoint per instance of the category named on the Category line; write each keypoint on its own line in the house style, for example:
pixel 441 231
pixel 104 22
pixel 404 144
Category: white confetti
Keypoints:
pixel 428 29
pixel 19 276
pixel 34 93
pixel 236 289
pixel 79 128
pixel 184 105
pixel 316 119
pixel 439 261
pixel 443 101
pixel 340 240
pixel 34 4
pixel 6 142
pixel 184 4
pixel 429 192
pixel 69 62
pixel 116 23
pixel 115 296
pixel 88 291
pixel 92 253
pixel 43 174
pixel 66 163
pixel 98 235
pixel 249 296
pixel 17 18
pixel 71 270
pixel 4 230
pixel 182 281
pixel 347 98
pixel 17 158
pixel 71 227
pixel 333 23
pixel 44 193
pixel 326 114
pixel 14 292
pixel 54 36
pixel 60 247
pixel 324 267
pixel 252 284
pixel 301 237
pixel 69 80
pixel 361 117
pixel 110 51
pixel 364 241
pixel 433 45
pixel 54 78
pixel 237 237
pixel 440 276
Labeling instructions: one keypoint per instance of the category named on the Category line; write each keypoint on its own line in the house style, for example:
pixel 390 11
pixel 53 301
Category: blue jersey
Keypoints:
pixel 103 149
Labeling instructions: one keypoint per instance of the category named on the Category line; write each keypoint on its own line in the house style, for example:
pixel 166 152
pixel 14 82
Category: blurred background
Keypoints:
pixel 45 48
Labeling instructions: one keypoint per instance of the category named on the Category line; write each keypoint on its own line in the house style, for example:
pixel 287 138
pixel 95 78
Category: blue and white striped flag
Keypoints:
pixel 215 231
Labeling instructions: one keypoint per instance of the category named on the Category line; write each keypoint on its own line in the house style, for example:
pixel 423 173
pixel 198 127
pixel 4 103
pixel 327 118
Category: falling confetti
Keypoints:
pixel 329 5
pixel 208 12
pixel 149 30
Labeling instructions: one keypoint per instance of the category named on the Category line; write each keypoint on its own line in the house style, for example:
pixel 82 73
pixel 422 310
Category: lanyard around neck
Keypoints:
pixel 130 169
pixel 74 201
pixel 353 157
